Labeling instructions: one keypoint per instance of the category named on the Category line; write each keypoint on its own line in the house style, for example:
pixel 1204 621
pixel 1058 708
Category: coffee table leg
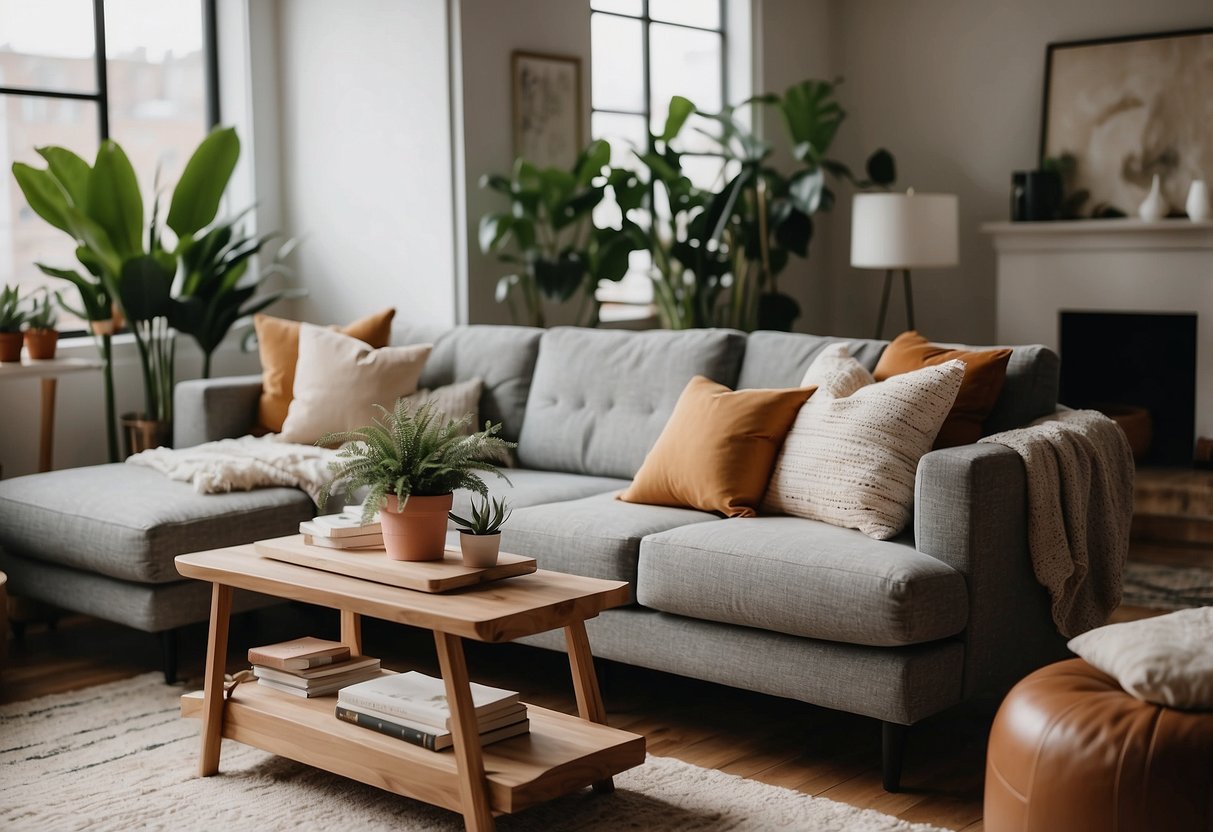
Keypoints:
pixel 473 787
pixel 216 660
pixel 585 685
pixel 351 631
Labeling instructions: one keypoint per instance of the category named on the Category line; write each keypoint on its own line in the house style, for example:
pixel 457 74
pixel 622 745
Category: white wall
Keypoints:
pixel 366 156
pixel 953 88
pixel 489 31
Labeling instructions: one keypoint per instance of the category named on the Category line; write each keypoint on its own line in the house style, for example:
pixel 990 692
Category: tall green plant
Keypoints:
pixel 548 236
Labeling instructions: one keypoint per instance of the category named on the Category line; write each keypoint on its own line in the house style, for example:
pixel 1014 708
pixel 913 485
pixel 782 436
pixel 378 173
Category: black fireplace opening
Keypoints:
pixel 1125 361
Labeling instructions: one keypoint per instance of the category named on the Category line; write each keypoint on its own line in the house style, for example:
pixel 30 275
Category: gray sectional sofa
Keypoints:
pixel 896 630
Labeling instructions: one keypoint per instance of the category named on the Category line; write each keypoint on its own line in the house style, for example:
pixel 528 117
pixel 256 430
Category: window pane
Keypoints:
pixel 157 85
pixel 25 238
pixel 632 7
pixel 686 62
pixel 625 133
pixel 705 13
pixel 618 63
pixel 47 44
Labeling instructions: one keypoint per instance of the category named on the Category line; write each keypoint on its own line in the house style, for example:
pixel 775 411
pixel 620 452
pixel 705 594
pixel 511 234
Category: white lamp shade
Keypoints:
pixel 904 231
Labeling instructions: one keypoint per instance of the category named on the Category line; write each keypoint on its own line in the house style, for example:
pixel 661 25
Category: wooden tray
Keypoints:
pixel 374 565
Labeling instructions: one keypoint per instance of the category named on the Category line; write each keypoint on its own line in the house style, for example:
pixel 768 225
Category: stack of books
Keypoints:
pixel 310 667
pixel 412 707
pixel 342 531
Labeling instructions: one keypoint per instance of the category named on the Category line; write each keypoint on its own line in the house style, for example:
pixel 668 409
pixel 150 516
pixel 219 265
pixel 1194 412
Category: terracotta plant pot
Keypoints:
pixel 143 434
pixel 41 343
pixel 479 550
pixel 10 346
pixel 419 531
pixel 105 327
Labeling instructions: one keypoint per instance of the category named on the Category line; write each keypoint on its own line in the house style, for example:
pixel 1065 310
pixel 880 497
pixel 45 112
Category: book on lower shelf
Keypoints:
pixel 418 698
pixel 319 680
pixel 509 724
pixel 299 654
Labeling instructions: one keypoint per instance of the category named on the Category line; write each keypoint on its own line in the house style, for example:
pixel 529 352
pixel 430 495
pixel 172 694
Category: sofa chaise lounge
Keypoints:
pixel 895 630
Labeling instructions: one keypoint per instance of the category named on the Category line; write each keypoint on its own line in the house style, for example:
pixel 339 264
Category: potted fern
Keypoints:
pixel 12 316
pixel 413 461
pixel 480 537
pixel 41 336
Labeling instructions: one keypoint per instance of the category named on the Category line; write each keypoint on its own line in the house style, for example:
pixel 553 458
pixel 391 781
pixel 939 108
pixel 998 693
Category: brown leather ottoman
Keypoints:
pixel 1070 750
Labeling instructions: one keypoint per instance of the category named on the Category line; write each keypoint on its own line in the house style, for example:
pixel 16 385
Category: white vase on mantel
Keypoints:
pixel 1197 206
pixel 1155 207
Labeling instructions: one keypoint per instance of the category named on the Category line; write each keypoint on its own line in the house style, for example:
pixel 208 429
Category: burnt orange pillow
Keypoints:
pixel 717 449
pixel 985 373
pixel 278 343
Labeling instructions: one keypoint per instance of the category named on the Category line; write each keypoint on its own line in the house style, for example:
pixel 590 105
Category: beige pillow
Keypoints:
pixel 835 373
pixel 339 380
pixel 1167 660
pixel 452 401
pixel 850 460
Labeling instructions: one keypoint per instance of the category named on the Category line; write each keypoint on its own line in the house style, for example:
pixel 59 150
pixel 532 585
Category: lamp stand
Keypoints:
pixel 884 301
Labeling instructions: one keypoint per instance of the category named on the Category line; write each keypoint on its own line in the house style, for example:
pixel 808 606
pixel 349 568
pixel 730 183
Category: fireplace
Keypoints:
pixel 1121 361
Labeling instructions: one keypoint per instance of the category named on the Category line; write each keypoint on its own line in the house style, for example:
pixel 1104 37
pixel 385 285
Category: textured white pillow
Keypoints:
pixel 835 373
pixel 339 380
pixel 453 401
pixel 1167 660
pixel 851 460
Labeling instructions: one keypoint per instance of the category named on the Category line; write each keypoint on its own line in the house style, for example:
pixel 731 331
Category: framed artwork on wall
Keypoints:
pixel 547 108
pixel 1128 108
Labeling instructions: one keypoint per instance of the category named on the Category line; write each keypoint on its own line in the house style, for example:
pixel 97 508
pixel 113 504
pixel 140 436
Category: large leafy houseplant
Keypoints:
pixel 548 236
pixel 718 253
pixel 412 462
pixel 101 207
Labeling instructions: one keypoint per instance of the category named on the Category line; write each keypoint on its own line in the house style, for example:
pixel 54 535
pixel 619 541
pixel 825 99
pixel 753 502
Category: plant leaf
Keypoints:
pixel 680 110
pixel 198 192
pixel 114 200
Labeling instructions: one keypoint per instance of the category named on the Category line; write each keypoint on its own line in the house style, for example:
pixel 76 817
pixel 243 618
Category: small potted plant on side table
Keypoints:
pixel 12 316
pixel 413 462
pixel 480 537
pixel 41 336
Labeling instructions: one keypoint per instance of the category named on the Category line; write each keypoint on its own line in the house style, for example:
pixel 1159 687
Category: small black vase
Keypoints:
pixel 1035 195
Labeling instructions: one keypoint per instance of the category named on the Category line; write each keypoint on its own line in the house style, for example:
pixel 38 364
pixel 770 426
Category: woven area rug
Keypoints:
pixel 1163 587
pixel 118 756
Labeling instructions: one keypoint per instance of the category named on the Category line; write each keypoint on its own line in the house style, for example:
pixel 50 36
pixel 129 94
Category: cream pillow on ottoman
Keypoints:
pixel 1166 660
pixel 850 459
pixel 339 380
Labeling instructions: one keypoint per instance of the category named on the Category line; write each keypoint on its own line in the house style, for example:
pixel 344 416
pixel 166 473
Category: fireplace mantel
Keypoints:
pixel 1122 265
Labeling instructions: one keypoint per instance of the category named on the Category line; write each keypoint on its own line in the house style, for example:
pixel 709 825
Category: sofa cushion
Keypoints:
pixel 780 359
pixel 129 522
pixel 502 356
pixel 1030 391
pixel 532 488
pixel 598 537
pixel 600 398
pixel 803 578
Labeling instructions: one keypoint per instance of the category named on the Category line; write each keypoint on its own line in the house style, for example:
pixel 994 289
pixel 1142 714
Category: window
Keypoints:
pixel 74 72
pixel 644 53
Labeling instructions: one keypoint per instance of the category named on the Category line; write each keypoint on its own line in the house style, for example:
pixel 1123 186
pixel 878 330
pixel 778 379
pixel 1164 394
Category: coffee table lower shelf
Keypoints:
pixel 560 754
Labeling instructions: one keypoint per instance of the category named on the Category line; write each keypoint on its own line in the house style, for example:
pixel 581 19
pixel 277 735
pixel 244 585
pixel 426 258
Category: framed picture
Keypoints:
pixel 547 108
pixel 1128 108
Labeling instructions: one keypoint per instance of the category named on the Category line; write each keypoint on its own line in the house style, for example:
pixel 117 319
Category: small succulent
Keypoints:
pixel 487 518
pixel 43 314
pixel 12 314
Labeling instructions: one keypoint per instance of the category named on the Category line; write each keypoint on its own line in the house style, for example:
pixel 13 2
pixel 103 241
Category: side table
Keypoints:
pixel 48 371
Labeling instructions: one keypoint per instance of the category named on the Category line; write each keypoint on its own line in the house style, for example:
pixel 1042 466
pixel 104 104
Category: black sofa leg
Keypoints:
pixel 892 750
pixel 168 652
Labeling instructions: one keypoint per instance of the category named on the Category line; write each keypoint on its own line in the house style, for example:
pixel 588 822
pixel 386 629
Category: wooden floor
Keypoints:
pixel 763 738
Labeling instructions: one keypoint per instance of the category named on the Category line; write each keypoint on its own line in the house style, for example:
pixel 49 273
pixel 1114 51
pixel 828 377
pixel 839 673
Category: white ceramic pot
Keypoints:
pixel 479 550
pixel 1155 207
pixel 1198 201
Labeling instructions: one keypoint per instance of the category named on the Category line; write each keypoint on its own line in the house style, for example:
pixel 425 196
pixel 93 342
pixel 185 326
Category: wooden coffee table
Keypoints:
pixel 561 753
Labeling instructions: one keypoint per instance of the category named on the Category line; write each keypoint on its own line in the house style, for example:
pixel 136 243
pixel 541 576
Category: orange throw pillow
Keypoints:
pixel 278 343
pixel 717 450
pixel 985 373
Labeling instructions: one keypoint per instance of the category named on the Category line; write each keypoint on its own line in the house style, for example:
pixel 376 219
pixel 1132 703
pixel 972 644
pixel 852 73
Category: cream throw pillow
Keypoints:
pixel 1167 660
pixel 452 401
pixel 850 459
pixel 339 380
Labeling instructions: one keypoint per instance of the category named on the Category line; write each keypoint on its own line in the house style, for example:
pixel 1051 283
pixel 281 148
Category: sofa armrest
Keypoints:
pixel 970 511
pixel 214 408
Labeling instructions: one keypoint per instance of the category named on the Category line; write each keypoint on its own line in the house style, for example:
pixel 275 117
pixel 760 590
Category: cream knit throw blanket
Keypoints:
pixel 243 464
pixel 1080 505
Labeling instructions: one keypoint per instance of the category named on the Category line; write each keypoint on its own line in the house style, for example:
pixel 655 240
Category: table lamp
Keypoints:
pixel 899 232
